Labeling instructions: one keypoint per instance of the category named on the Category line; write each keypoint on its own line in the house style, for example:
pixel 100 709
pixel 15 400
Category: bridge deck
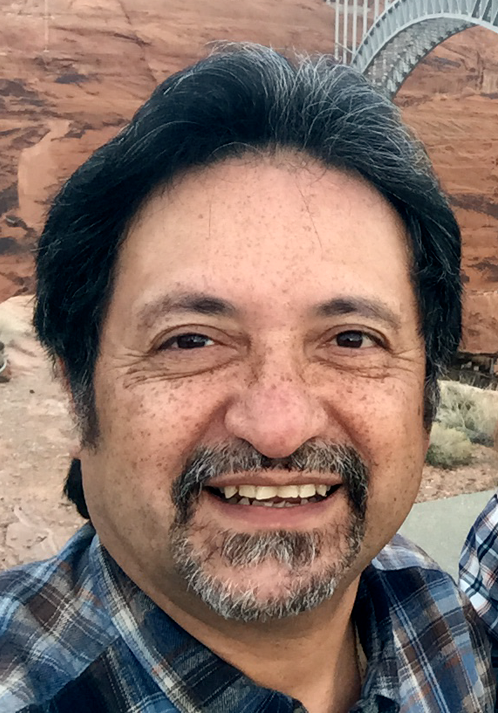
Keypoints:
pixel 386 39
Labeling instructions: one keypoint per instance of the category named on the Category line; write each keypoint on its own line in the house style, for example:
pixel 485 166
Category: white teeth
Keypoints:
pixel 265 492
pixel 307 491
pixel 247 491
pixel 288 491
pixel 244 501
pixel 268 492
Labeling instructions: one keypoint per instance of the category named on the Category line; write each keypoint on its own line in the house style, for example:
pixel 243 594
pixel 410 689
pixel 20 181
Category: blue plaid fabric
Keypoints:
pixel 78 636
pixel 479 566
pixel 479 571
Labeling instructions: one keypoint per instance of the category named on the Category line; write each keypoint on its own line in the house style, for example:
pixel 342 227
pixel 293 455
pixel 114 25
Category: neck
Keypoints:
pixel 310 657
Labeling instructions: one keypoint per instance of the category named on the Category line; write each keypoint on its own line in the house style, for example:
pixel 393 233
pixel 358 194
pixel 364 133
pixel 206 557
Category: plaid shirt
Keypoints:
pixel 479 571
pixel 78 636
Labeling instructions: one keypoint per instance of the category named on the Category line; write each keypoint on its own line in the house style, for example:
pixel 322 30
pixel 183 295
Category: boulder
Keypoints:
pixel 21 350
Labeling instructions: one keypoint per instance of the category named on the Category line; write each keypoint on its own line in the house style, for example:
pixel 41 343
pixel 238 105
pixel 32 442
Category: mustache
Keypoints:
pixel 207 463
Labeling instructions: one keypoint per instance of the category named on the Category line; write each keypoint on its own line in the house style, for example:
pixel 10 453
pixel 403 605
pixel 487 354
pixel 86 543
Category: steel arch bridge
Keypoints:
pixel 386 39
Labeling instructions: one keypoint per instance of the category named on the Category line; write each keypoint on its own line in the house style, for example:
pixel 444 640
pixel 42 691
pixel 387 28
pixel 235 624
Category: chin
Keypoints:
pixel 267 592
pixel 269 576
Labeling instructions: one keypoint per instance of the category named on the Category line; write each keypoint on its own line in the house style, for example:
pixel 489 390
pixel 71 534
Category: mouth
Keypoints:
pixel 269 496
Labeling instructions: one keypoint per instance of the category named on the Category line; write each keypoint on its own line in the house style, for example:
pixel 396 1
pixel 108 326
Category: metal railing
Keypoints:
pixel 385 39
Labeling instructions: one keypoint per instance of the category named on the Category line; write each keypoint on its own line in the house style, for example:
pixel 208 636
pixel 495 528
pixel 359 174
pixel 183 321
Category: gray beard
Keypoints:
pixel 296 552
pixel 311 564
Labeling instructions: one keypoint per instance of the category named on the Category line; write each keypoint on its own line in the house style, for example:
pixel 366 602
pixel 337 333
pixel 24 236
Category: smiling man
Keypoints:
pixel 250 293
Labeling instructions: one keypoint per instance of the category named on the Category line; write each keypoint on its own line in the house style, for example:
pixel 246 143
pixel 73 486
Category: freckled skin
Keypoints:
pixel 274 240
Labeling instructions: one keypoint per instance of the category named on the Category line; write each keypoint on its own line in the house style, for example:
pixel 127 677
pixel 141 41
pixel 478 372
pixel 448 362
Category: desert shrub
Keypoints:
pixel 448 447
pixel 468 409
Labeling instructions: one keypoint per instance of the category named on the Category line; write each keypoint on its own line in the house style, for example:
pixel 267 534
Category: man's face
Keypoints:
pixel 260 367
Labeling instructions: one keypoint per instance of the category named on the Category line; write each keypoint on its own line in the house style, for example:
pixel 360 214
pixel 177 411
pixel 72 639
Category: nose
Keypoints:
pixel 277 414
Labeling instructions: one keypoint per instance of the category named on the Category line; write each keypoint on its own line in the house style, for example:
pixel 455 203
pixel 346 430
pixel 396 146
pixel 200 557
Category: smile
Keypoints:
pixel 270 496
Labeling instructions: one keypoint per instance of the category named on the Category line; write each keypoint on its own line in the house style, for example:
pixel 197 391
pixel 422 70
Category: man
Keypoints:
pixel 249 293
pixel 479 568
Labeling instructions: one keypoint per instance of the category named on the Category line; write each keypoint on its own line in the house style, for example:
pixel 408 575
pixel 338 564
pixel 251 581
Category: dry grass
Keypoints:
pixel 471 410
pixel 467 415
pixel 449 448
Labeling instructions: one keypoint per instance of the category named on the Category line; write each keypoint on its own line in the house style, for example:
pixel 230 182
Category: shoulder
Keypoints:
pixel 401 553
pixel 479 565
pixel 31 587
pixel 52 624
pixel 410 576
pixel 480 546
pixel 479 571
pixel 413 582
pixel 433 623
pixel 417 590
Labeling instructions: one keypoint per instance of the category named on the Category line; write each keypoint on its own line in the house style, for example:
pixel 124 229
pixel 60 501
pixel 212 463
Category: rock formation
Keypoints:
pixel 451 101
pixel 74 72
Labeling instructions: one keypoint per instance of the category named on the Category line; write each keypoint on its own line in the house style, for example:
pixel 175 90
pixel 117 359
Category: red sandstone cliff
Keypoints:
pixel 73 72
pixel 451 100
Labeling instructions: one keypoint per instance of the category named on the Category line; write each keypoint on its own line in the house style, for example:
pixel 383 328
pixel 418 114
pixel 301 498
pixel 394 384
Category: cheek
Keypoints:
pixel 154 425
pixel 390 430
pixel 141 449
pixel 384 421
pixel 383 418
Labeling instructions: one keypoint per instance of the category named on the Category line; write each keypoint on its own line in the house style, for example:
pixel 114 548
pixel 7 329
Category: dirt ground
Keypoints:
pixel 36 436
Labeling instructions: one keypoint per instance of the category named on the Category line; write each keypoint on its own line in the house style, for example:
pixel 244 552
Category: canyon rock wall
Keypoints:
pixel 73 72
pixel 451 101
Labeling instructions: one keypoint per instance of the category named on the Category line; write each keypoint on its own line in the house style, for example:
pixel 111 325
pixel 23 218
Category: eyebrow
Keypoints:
pixel 362 306
pixel 205 304
pixel 186 302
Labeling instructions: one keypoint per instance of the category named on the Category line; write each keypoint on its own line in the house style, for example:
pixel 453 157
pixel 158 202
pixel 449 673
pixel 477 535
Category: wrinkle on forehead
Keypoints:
pixel 305 169
pixel 267 226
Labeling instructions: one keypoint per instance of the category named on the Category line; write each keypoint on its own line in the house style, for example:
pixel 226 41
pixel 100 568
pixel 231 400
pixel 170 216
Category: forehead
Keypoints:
pixel 287 225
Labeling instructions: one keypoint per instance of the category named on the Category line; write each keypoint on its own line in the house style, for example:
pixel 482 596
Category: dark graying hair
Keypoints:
pixel 240 99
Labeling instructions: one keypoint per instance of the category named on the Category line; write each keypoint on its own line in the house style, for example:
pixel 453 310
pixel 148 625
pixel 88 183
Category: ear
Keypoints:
pixel 75 450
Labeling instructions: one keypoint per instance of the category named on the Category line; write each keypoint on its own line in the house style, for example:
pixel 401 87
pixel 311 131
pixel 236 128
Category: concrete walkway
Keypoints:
pixel 440 526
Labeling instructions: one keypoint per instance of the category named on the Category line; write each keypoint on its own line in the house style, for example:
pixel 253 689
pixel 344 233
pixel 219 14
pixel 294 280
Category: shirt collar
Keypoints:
pixel 193 678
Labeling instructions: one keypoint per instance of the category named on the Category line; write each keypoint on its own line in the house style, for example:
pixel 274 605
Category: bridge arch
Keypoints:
pixel 406 31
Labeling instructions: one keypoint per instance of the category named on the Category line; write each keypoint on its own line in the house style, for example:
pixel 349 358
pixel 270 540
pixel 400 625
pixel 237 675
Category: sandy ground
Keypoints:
pixel 35 439
pixel 481 474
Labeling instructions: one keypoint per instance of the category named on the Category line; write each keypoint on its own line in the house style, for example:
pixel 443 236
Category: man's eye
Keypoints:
pixel 354 339
pixel 187 341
